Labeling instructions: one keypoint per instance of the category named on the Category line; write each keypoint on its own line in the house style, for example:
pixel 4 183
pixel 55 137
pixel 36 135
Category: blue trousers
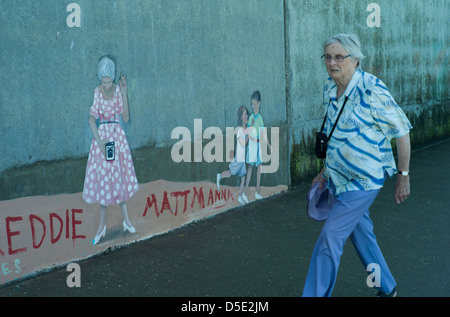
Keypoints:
pixel 348 217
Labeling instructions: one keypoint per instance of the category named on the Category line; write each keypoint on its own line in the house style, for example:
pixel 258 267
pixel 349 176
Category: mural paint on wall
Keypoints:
pixel 40 232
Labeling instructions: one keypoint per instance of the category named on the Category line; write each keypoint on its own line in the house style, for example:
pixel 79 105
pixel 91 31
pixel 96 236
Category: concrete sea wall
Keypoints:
pixel 406 44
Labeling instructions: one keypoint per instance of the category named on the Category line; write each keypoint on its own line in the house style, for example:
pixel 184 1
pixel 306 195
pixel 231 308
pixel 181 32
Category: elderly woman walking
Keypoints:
pixel 358 159
pixel 110 175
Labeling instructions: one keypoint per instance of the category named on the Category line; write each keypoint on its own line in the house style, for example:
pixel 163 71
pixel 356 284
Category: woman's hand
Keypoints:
pixel 320 179
pixel 123 84
pixel 124 91
pixel 402 189
pixel 102 144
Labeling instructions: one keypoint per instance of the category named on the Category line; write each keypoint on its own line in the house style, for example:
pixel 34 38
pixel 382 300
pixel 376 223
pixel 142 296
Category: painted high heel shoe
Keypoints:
pixel 99 236
pixel 126 227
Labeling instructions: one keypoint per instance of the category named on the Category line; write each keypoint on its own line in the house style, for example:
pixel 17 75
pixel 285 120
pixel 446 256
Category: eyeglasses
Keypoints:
pixel 337 58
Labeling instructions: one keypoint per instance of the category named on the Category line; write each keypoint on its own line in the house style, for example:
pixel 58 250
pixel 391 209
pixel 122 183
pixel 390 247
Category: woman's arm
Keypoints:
pixel 94 131
pixel 402 188
pixel 320 179
pixel 123 90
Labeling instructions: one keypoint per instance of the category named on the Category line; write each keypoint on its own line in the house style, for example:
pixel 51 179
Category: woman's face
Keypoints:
pixel 107 83
pixel 244 117
pixel 255 106
pixel 343 71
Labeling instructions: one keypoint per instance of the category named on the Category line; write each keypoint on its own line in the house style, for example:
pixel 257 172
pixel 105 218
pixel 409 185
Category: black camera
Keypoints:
pixel 321 145
pixel 322 139
pixel 110 151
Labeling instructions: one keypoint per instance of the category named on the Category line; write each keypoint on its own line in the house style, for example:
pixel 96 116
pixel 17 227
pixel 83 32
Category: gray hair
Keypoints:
pixel 350 42
pixel 106 68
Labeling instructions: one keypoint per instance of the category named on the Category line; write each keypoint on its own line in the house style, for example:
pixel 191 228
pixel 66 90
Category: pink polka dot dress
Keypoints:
pixel 109 182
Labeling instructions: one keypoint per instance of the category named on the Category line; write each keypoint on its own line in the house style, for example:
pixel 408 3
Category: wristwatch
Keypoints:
pixel 404 173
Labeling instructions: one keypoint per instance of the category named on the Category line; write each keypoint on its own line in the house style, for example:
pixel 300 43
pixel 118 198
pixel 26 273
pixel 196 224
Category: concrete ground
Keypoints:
pixel 263 249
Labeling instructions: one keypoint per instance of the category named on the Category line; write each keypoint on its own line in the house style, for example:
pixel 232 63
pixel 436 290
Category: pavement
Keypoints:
pixel 263 249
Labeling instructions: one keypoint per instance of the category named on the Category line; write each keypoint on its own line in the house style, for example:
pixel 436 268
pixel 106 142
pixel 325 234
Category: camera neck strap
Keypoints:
pixel 334 126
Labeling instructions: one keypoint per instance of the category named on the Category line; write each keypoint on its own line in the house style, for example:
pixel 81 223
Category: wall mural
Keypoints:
pixel 112 209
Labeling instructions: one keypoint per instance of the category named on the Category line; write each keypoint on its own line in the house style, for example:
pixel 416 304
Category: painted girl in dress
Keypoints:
pixel 113 181
pixel 237 167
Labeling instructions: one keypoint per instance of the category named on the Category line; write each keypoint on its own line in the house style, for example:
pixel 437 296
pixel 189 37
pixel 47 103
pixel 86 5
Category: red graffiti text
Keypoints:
pixel 39 230
pixel 189 198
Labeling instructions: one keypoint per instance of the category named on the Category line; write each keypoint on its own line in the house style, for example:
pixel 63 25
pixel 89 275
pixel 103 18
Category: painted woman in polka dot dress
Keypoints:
pixel 109 182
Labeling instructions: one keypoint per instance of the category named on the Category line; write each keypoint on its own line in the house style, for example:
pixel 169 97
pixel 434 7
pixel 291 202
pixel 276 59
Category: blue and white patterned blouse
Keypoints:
pixel 359 151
